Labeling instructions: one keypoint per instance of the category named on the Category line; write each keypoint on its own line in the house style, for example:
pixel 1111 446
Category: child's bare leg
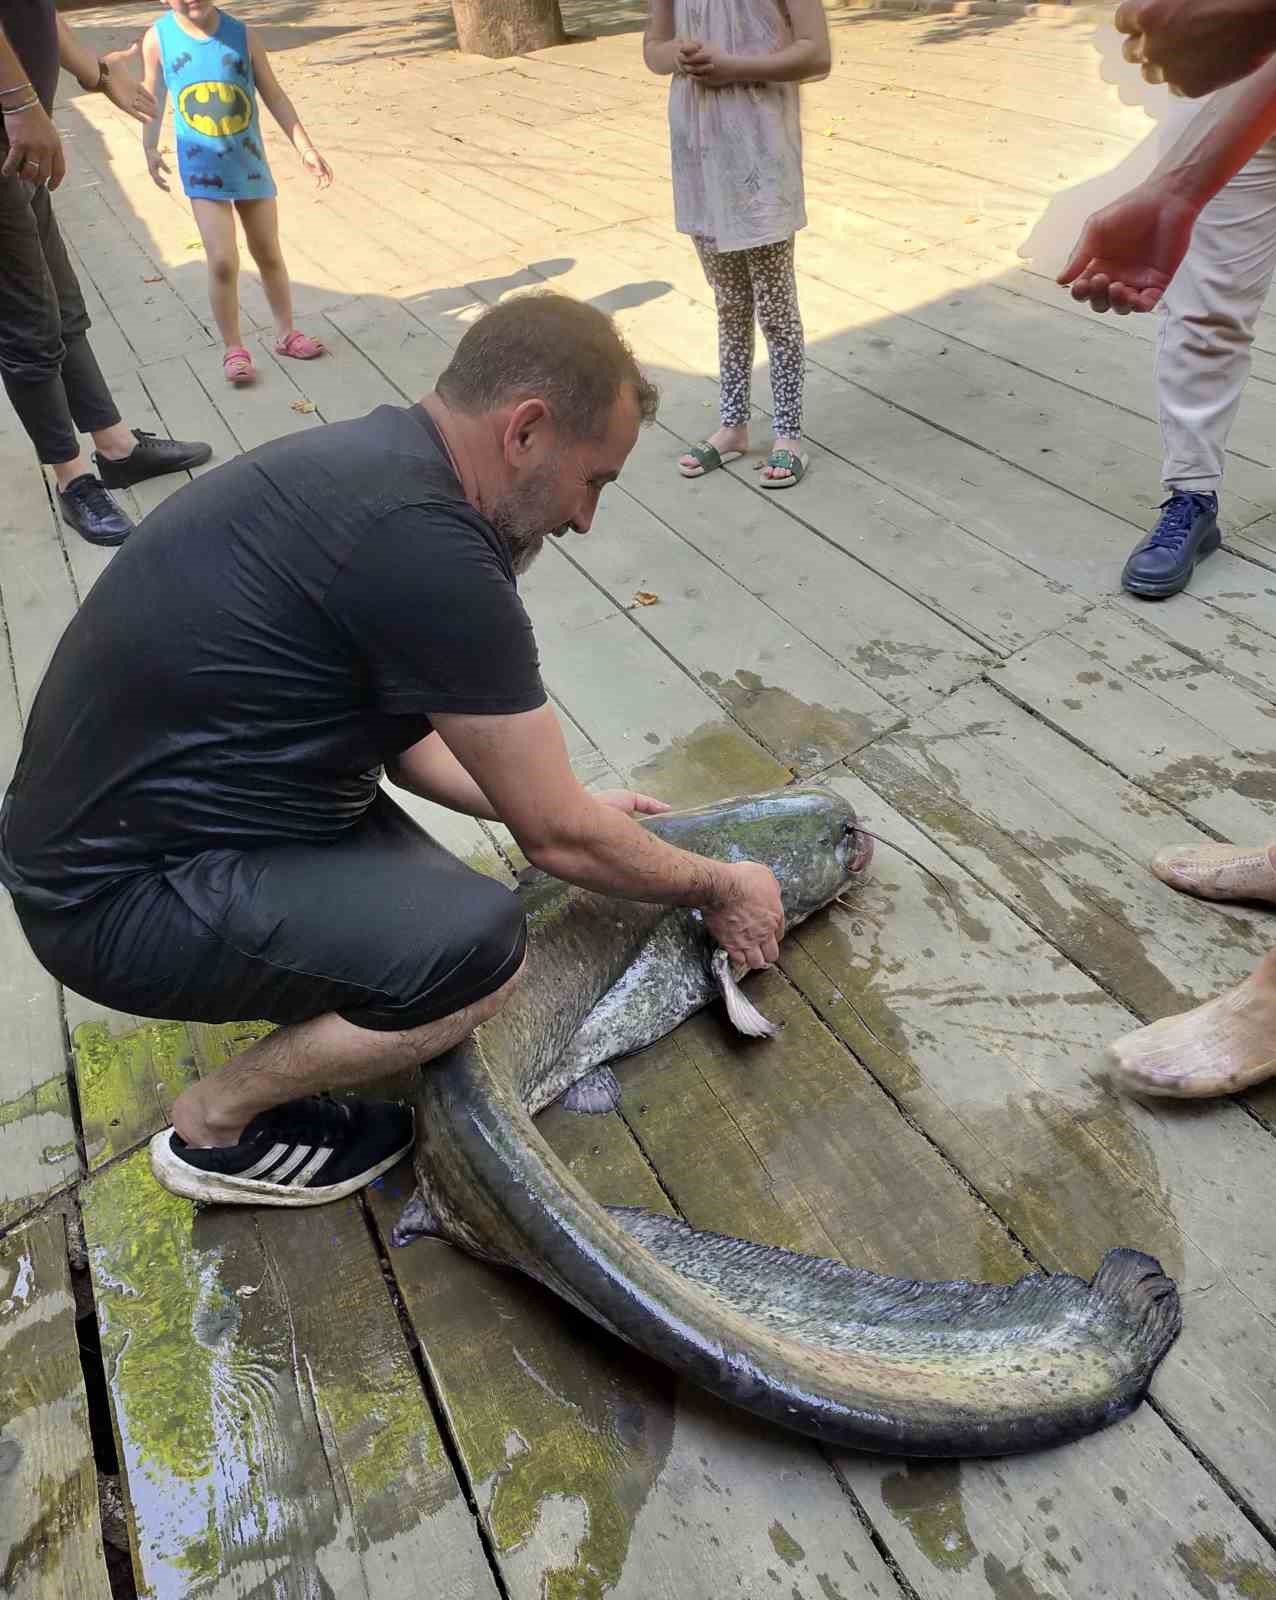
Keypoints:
pixel 728 275
pixel 261 230
pixel 216 222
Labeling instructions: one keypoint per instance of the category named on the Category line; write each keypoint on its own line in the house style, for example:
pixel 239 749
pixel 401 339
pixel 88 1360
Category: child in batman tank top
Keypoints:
pixel 211 65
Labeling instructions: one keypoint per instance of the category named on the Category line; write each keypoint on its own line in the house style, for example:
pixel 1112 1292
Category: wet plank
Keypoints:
pixel 129 1070
pixel 1167 720
pixel 651 721
pixel 593 1471
pixel 795 1144
pixel 38 1153
pixel 739 648
pixel 1066 841
pixel 50 1531
pixel 991 1039
pixel 272 1430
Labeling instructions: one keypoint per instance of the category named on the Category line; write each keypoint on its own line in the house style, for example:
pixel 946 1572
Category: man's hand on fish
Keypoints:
pixel 631 802
pixel 1197 46
pixel 749 924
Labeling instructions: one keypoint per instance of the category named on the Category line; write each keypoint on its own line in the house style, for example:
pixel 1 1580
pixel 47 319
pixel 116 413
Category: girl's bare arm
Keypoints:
pixel 284 112
pixel 659 44
pixel 809 57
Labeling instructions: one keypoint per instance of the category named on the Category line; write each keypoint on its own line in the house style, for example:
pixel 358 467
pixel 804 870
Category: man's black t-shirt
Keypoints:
pixel 266 640
pixel 31 27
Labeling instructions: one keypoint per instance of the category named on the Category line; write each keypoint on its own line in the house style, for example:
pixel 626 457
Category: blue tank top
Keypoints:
pixel 220 155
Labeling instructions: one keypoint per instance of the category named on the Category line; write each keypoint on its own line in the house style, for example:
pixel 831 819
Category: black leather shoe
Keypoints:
pixel 1187 532
pixel 151 457
pixel 90 510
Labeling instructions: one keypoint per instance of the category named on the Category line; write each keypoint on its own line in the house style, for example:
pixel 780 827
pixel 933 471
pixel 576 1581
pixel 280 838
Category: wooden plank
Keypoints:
pixel 656 727
pixel 1065 841
pixel 990 1039
pixel 1180 730
pixel 961 578
pixel 795 699
pixel 186 409
pixel 758 1141
pixel 35 587
pixel 50 1530
pixel 344 383
pixel 594 1472
pixel 397 344
pixel 1018 512
pixel 271 1426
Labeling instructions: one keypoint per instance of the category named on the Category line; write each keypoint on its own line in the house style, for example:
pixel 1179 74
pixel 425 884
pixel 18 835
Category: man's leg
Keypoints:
pixel 124 455
pixel 374 952
pixel 1203 360
pixel 31 357
pixel 307 1058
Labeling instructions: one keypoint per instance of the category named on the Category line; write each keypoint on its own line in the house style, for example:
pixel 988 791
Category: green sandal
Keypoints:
pixel 787 461
pixel 708 459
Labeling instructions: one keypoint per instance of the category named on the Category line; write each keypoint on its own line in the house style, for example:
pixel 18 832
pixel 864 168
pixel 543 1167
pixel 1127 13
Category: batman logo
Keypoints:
pixel 178 62
pixel 205 180
pixel 254 149
pixel 215 109
pixel 235 64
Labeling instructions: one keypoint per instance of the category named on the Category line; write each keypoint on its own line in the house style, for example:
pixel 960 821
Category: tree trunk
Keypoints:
pixel 507 27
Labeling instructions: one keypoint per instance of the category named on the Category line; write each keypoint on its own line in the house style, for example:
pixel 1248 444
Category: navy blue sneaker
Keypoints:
pixel 1186 533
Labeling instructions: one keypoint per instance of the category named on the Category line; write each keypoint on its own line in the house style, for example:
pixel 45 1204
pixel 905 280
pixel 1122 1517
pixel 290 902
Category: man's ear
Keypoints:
pixel 528 422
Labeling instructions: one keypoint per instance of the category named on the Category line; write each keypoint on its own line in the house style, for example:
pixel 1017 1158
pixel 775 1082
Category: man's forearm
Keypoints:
pixel 82 64
pixel 1221 138
pixel 611 854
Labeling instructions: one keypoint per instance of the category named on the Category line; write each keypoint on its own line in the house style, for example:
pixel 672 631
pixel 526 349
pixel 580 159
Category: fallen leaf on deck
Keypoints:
pixel 193 244
pixel 304 406
pixel 245 1289
pixel 644 597
pixel 158 278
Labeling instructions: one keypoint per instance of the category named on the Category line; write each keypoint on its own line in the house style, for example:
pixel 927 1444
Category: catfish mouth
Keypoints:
pixel 855 850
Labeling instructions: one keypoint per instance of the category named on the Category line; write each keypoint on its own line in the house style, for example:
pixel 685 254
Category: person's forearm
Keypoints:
pixel 13 75
pixel 611 854
pixel 661 55
pixel 797 62
pixel 82 64
pixel 431 771
pixel 1220 139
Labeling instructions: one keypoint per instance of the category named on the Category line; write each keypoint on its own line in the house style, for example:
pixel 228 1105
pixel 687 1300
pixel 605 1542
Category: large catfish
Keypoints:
pixel 852 1358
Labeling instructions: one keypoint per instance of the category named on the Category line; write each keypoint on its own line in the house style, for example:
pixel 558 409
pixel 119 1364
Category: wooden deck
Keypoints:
pixel 931 622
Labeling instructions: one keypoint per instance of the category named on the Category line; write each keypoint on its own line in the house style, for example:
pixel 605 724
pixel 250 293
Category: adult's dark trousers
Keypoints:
pixel 50 372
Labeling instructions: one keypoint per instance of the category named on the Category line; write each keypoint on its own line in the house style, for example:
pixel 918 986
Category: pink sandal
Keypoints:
pixel 237 364
pixel 299 345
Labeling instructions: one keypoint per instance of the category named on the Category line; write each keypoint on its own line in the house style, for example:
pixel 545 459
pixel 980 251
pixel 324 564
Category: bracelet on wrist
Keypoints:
pixel 27 105
pixel 18 88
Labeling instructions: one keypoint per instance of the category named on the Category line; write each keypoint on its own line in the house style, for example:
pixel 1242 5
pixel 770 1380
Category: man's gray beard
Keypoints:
pixel 521 518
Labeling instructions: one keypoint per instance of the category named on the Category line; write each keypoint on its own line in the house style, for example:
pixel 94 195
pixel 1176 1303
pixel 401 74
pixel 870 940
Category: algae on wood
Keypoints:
pixel 50 1532
pixel 270 1419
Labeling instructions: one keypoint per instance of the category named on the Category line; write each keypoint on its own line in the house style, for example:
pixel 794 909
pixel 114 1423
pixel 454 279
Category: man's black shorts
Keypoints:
pixel 383 926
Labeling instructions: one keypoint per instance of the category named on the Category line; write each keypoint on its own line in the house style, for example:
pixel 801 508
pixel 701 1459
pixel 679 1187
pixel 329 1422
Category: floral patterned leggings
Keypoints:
pixel 757 284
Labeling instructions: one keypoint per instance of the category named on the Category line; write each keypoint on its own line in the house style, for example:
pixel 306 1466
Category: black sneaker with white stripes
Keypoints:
pixel 304 1153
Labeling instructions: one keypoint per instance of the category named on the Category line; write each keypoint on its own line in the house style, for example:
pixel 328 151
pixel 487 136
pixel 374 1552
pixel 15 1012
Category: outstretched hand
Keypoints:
pixel 122 89
pixel 631 802
pixel 1129 251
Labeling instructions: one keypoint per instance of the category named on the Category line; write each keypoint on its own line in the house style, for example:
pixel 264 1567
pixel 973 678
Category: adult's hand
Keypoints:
pixel 749 922
pixel 631 802
pixel 1197 46
pixel 1129 251
pixel 35 150
pixel 122 89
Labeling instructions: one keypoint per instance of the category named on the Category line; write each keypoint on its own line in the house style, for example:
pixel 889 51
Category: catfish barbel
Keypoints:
pixel 847 1356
